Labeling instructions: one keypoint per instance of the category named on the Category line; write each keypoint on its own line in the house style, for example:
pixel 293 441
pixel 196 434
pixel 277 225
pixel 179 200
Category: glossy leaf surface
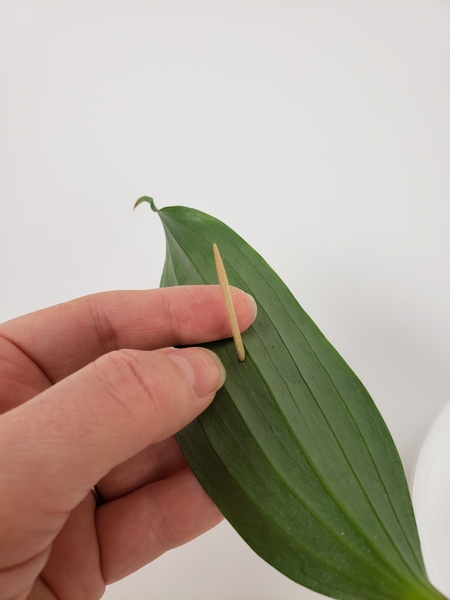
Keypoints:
pixel 293 450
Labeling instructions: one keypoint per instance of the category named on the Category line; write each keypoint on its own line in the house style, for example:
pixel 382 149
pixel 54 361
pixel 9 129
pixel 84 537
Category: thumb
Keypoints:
pixel 59 444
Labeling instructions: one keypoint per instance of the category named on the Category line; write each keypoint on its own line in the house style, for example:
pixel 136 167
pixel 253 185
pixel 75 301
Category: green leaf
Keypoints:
pixel 293 450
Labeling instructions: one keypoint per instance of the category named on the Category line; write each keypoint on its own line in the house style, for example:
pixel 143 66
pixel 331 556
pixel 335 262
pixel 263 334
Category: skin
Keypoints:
pixel 91 392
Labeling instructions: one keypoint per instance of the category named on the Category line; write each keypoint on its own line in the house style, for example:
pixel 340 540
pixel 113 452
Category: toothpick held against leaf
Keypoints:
pixel 225 287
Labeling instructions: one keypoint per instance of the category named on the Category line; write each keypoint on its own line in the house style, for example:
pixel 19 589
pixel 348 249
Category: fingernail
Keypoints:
pixel 201 367
pixel 255 307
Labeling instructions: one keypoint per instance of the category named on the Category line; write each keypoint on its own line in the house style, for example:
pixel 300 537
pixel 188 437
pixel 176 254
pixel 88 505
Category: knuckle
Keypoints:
pixel 125 379
pixel 102 324
pixel 170 317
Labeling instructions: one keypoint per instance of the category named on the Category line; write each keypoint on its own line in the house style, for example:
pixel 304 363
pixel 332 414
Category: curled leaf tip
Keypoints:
pixel 146 199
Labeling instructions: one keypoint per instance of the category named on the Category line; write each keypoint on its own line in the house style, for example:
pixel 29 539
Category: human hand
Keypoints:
pixel 91 393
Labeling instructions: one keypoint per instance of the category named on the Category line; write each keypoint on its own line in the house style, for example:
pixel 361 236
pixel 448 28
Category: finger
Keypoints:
pixel 16 583
pixel 20 378
pixel 66 337
pixel 73 568
pixel 158 461
pixel 63 441
pixel 40 591
pixel 139 527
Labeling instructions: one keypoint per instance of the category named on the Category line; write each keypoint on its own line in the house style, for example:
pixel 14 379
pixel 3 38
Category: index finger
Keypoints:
pixel 66 337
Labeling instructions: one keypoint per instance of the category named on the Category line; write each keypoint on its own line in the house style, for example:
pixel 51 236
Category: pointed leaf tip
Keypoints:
pixel 146 199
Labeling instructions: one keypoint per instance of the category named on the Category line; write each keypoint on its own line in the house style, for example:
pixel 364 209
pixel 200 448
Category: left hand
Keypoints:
pixel 91 392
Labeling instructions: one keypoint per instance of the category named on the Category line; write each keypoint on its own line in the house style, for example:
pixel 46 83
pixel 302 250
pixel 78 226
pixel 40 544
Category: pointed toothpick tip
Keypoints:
pixel 225 287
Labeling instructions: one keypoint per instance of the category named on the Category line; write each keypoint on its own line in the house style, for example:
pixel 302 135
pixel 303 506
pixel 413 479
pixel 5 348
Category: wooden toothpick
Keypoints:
pixel 225 287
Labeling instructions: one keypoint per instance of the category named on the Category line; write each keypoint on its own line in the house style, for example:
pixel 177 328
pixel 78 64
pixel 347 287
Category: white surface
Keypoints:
pixel 319 130
pixel 431 497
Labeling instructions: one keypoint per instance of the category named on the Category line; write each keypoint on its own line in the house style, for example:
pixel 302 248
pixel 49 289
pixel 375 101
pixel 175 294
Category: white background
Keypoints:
pixel 319 130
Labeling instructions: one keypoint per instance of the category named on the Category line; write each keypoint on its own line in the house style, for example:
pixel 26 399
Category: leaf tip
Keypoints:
pixel 146 199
